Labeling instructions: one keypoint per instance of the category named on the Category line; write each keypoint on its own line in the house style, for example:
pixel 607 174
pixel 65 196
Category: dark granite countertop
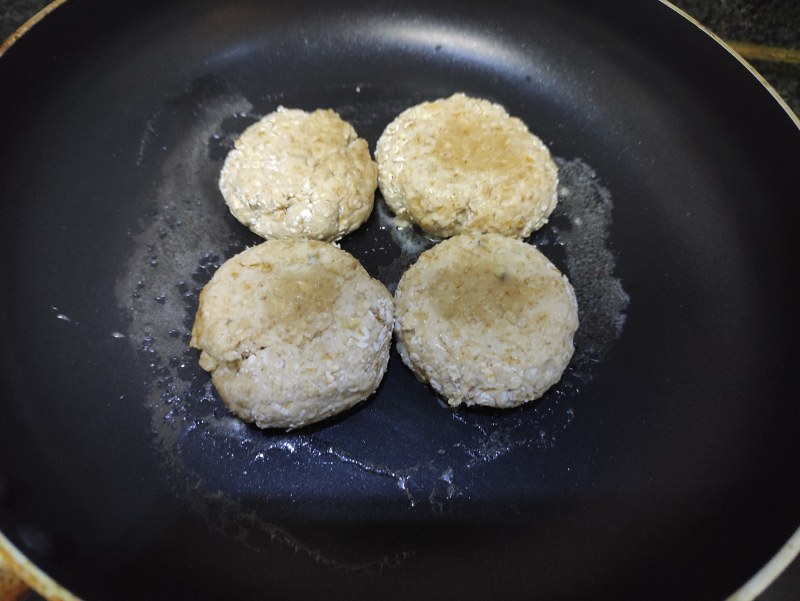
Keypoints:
pixel 765 32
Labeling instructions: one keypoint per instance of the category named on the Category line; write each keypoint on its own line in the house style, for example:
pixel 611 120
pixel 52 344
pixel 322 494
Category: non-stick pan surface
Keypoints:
pixel 663 466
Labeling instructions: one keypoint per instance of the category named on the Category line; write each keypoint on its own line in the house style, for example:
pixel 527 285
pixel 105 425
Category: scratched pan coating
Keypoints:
pixel 658 468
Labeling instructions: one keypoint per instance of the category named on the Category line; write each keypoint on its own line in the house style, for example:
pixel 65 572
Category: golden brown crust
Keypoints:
pixel 293 331
pixel 463 164
pixel 486 320
pixel 295 174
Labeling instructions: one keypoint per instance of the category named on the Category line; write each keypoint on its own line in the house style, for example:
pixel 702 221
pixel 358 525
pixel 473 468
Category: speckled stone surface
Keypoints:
pixel 14 13
pixel 770 22
pixel 765 22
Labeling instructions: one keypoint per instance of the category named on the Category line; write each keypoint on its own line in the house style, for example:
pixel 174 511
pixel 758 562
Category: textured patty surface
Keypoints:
pixel 293 332
pixel 462 164
pixel 485 320
pixel 296 174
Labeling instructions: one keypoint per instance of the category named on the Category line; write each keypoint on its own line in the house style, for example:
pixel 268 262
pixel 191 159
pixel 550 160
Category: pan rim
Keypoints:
pixel 27 25
pixel 47 586
pixel 31 574
pixel 790 550
pixel 770 572
pixel 760 78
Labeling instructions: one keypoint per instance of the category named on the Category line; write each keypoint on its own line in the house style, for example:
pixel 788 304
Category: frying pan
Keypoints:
pixel 661 467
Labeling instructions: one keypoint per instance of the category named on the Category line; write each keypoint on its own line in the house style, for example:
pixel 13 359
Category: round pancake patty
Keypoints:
pixel 485 320
pixel 295 174
pixel 293 332
pixel 463 164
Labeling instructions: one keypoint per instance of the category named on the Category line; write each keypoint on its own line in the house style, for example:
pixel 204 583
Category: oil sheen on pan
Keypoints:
pixel 191 234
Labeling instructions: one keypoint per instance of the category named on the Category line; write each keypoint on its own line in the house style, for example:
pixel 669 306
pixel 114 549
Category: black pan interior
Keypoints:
pixel 662 468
